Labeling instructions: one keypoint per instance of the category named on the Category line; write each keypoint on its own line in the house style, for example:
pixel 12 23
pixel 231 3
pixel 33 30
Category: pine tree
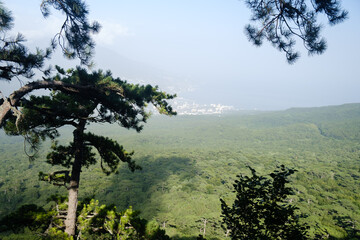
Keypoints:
pixel 79 98
pixel 15 58
pixel 281 21
pixel 260 210
pixel 74 39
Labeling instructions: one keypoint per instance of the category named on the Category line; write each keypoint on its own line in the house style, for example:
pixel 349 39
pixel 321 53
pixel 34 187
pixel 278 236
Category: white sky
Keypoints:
pixel 198 49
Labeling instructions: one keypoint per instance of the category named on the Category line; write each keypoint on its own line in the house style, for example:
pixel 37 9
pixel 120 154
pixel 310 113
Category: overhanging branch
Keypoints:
pixel 83 90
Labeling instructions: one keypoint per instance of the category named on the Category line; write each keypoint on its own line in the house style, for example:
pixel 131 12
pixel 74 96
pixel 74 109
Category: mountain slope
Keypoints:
pixel 189 162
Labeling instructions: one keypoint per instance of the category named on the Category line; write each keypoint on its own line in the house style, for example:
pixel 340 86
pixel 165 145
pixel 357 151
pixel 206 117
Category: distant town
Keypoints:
pixel 184 107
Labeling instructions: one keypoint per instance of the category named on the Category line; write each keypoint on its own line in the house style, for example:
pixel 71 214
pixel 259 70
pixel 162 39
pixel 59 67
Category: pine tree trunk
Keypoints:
pixel 70 222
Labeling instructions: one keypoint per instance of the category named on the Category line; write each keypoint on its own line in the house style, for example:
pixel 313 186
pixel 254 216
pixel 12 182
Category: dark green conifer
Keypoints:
pixel 74 38
pixel 281 21
pixel 260 209
pixel 15 58
pixel 79 98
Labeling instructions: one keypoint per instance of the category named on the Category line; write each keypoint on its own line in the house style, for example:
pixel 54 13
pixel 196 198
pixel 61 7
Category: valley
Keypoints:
pixel 190 162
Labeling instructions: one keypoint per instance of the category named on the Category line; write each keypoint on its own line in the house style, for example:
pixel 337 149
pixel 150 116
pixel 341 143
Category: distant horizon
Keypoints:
pixel 210 109
pixel 205 57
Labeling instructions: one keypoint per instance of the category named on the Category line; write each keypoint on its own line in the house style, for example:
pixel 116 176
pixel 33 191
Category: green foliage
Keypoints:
pixel 56 234
pixel 30 216
pixel 189 162
pixel 153 231
pixel 110 152
pixel 97 96
pixel 260 210
pixel 93 222
pixel 74 36
pixel 104 99
pixel 79 98
pixel 281 21
pixel 15 58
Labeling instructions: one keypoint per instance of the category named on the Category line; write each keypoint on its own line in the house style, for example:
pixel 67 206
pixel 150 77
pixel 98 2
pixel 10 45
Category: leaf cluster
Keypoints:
pixel 260 210
pixel 92 97
pixel 98 220
pixel 111 153
pixel 280 22
pixel 93 222
pixel 74 39
pixel 106 222
pixel 30 216
pixel 15 58
pixel 74 36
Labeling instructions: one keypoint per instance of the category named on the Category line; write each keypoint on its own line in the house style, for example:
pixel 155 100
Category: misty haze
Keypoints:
pixel 180 119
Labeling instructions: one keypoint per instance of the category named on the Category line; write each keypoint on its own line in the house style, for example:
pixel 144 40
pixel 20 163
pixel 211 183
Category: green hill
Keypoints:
pixel 189 162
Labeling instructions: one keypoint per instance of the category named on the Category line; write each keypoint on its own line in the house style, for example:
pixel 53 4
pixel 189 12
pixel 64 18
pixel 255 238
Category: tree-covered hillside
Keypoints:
pixel 190 162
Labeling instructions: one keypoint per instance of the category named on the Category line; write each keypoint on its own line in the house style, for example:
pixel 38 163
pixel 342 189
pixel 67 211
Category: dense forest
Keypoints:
pixel 190 162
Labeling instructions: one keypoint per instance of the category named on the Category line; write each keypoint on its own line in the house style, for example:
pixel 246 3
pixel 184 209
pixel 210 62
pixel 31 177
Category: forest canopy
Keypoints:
pixel 80 98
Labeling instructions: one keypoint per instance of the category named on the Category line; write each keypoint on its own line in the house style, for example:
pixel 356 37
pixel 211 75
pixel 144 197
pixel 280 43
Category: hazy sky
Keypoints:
pixel 198 49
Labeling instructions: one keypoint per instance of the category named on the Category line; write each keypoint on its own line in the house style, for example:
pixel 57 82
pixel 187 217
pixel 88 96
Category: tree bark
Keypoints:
pixel 70 222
